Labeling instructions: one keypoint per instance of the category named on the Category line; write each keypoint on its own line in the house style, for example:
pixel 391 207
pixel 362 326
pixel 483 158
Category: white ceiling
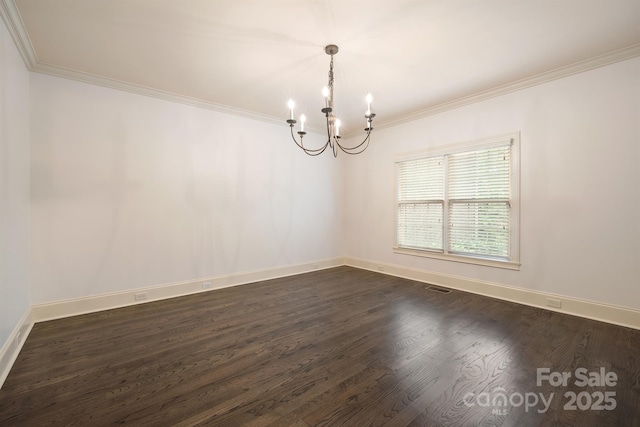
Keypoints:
pixel 250 56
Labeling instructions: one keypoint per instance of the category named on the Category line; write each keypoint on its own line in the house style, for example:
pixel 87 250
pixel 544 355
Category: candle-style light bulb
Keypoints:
pixel 369 100
pixel 325 93
pixel 291 104
pixel 303 119
pixel 338 127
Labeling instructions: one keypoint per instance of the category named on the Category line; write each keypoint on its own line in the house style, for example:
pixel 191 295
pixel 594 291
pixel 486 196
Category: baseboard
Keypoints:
pixel 617 315
pixel 94 303
pixel 13 345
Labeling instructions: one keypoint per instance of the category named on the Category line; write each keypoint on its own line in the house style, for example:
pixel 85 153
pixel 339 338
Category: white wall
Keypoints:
pixel 580 184
pixel 130 191
pixel 14 186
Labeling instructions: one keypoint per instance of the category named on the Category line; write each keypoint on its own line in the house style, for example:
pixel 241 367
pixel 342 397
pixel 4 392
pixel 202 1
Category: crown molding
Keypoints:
pixel 608 58
pixel 96 80
pixel 13 22
pixel 150 92
pixel 15 25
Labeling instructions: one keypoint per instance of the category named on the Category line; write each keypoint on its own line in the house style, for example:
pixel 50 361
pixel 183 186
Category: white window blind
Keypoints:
pixel 458 203
pixel 421 203
pixel 479 190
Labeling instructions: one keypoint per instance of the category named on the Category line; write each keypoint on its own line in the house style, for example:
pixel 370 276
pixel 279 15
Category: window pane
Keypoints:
pixel 481 174
pixel 479 229
pixel 420 225
pixel 421 179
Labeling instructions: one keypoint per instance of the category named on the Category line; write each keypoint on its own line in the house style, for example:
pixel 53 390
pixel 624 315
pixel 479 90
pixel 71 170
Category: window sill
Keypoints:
pixel 508 265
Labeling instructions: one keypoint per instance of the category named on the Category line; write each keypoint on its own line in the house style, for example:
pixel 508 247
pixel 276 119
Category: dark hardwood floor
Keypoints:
pixel 335 347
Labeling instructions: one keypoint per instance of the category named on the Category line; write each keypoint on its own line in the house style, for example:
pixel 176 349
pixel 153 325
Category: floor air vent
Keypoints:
pixel 438 289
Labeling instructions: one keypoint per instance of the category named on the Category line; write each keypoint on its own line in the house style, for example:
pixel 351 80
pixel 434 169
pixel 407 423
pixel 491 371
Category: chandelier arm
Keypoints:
pixel 313 153
pixel 309 151
pixel 349 149
pixel 331 141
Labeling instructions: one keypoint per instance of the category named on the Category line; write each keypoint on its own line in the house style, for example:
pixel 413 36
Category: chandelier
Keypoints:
pixel 333 123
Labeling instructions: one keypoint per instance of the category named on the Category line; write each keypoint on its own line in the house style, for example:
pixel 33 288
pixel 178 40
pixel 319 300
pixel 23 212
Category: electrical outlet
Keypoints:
pixel 555 303
pixel 140 297
pixel 206 285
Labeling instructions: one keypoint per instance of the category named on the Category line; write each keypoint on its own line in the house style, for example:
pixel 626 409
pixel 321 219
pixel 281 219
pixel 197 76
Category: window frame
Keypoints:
pixel 513 263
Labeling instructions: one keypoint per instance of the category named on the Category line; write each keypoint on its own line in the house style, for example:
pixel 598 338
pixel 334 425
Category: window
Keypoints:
pixel 461 203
